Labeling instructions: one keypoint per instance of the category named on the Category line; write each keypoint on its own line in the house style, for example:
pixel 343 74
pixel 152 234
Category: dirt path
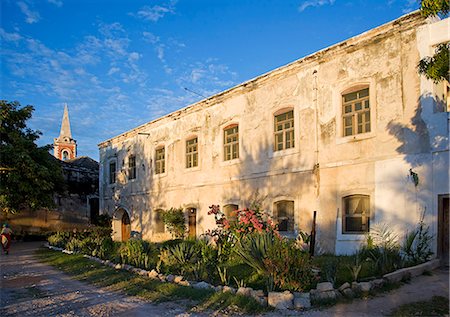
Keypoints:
pixel 31 288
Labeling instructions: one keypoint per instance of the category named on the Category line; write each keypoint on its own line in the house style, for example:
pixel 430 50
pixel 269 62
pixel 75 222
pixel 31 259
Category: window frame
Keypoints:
pixel 132 170
pixel 231 147
pixel 355 114
pixel 191 153
pixel 284 131
pixel 112 176
pixel 290 220
pixel 160 163
pixel 158 222
pixel 367 217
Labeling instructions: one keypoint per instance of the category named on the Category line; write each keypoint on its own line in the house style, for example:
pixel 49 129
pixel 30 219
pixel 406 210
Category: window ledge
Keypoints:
pixel 355 138
pixel 279 153
pixel 191 169
pixel 351 237
pixel 230 162
pixel 160 175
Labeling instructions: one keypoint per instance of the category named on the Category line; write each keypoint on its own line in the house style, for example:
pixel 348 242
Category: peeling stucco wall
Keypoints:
pixel 374 163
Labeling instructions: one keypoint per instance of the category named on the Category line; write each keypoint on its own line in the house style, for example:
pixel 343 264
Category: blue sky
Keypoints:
pixel 121 63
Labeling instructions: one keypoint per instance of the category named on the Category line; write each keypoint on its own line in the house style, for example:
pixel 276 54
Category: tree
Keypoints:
pixel 436 67
pixel 29 175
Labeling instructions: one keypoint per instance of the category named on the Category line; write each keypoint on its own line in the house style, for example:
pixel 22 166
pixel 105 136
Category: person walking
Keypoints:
pixel 6 238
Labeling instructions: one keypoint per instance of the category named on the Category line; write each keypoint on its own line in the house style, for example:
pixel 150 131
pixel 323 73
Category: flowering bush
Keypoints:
pixel 228 232
pixel 247 222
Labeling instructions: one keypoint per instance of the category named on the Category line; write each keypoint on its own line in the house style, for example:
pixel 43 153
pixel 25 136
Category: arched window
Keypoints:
pixel 355 214
pixel 283 214
pixel 356 111
pixel 65 155
pixel 231 142
pixel 158 224
pixel 284 130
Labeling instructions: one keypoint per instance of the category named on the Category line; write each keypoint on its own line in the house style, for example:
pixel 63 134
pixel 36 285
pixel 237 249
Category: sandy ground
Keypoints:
pixel 30 288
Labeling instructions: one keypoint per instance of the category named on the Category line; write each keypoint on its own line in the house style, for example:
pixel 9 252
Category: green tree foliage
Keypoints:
pixel 434 7
pixel 436 67
pixel 29 175
pixel 175 222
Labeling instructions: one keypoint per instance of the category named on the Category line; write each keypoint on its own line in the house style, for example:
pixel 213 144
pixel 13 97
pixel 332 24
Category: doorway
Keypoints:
pixel 443 228
pixel 192 221
pixel 126 227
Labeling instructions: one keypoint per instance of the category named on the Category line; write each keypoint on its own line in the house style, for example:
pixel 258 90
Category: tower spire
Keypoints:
pixel 65 125
pixel 64 146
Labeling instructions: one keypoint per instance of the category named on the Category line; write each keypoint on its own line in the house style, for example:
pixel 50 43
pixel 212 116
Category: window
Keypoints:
pixel 284 215
pixel 112 172
pixel 356 112
pixel 192 153
pixel 159 226
pixel 356 214
pixel 160 158
pixel 65 155
pixel 131 167
pixel 230 212
pixel 284 131
pixel 231 143
pixel 443 96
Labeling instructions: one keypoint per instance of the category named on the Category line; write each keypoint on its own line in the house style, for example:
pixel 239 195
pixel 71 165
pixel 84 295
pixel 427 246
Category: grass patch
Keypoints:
pixel 97 274
pixel 436 306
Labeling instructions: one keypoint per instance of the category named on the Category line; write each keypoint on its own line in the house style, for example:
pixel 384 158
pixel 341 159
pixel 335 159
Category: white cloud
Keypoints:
pixel 156 12
pixel 314 3
pixel 57 3
pixel 113 70
pixel 30 16
pixel 10 37
pixel 133 56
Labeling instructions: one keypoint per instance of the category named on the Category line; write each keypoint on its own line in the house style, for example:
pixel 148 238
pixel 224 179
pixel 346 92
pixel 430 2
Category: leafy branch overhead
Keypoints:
pixel 435 67
pixel 29 175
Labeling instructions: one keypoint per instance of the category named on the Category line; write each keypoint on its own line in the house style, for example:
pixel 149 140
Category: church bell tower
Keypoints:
pixel 65 147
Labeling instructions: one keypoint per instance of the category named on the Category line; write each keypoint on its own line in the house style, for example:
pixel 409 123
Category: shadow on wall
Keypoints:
pixel 264 178
pixel 426 134
pixel 133 195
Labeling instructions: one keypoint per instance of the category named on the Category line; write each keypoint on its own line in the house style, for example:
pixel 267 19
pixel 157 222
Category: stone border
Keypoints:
pixel 279 300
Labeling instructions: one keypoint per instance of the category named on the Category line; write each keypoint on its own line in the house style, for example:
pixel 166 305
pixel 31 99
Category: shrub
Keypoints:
pixel 416 247
pixel 283 265
pixel 59 239
pixel 138 253
pixel 175 222
pixel 382 249
pixel 191 258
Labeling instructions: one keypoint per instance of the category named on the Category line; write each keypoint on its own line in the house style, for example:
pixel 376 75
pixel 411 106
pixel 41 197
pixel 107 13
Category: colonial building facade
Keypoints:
pixel 352 132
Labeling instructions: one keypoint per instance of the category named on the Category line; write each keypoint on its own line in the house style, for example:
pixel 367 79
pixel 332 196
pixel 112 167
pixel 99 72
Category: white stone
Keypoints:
pixel 244 291
pixel 365 286
pixel 170 278
pixel 344 286
pixel 302 300
pixel 184 283
pixel 202 285
pixel 325 287
pixel 281 300
pixel 118 266
pixel 153 274
pixel 177 279
pixel 229 289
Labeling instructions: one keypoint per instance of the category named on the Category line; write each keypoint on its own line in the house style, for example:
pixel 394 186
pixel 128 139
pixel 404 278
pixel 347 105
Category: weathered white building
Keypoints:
pixel 342 131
